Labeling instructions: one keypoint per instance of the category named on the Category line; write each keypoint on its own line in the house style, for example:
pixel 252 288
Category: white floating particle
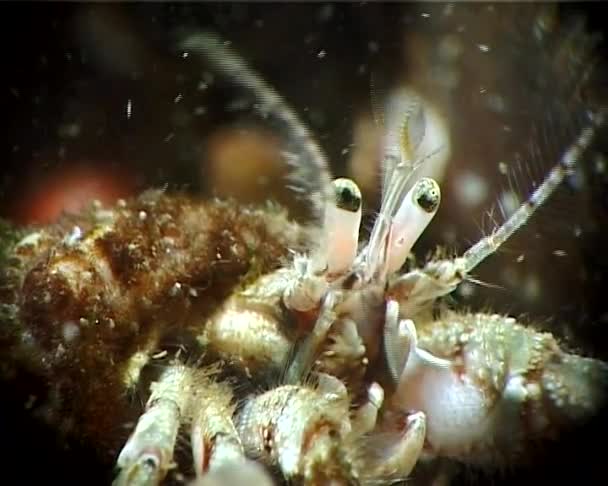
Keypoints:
pixel 185 55
pixel 466 290
pixel 178 98
pixel 483 47
pixel 471 189
pixel 69 331
pixel 322 53
pixel 73 237
pixel 560 253
pixel 129 108
pixel 142 215
pixel 326 12
pixel 503 168
pixel 69 130
pixel 600 165
pixel 175 289
pixel 532 287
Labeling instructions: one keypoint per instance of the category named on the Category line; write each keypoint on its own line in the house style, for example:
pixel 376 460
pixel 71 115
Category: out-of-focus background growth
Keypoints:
pixel 99 103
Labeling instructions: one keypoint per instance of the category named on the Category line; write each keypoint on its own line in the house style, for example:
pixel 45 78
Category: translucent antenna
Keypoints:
pixel 311 164
pixel 405 126
pixel 488 245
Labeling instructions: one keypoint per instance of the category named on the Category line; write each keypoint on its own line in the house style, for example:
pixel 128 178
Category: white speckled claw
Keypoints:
pixel 510 385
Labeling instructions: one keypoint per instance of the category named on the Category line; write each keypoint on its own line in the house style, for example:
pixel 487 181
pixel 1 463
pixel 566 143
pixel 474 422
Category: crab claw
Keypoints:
pixel 392 455
pixel 509 387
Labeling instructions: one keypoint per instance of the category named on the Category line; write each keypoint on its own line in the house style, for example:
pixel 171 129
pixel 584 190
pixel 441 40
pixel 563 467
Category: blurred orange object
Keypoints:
pixel 70 189
pixel 244 163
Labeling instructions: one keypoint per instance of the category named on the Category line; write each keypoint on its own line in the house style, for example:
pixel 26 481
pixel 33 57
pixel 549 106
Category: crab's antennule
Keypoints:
pixel 404 131
pixel 413 216
pixel 311 164
pixel 488 245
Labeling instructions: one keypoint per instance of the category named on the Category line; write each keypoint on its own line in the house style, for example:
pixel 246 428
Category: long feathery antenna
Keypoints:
pixel 405 126
pixel 312 164
pixel 488 245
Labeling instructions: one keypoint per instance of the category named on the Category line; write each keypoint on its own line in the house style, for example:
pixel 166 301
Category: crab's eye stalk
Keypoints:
pixel 416 211
pixel 342 221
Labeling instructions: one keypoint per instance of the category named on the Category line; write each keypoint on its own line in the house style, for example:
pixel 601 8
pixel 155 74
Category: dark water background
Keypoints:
pixel 70 71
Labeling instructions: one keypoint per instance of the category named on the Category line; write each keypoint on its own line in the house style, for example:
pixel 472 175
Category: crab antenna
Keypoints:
pixel 341 227
pixel 488 245
pixel 312 166
pixel 404 132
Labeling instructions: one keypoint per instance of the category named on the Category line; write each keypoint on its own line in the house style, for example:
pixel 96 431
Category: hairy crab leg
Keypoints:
pixel 215 441
pixel 148 454
pixel 300 429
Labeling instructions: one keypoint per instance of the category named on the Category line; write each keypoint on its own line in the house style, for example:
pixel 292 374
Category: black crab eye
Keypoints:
pixel 427 194
pixel 347 195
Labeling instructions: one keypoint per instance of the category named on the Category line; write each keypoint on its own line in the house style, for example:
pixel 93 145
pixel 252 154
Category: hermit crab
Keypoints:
pixel 282 351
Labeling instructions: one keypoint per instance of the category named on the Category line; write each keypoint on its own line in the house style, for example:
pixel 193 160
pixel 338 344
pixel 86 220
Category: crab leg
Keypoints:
pixel 215 441
pixel 148 454
pixel 298 428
